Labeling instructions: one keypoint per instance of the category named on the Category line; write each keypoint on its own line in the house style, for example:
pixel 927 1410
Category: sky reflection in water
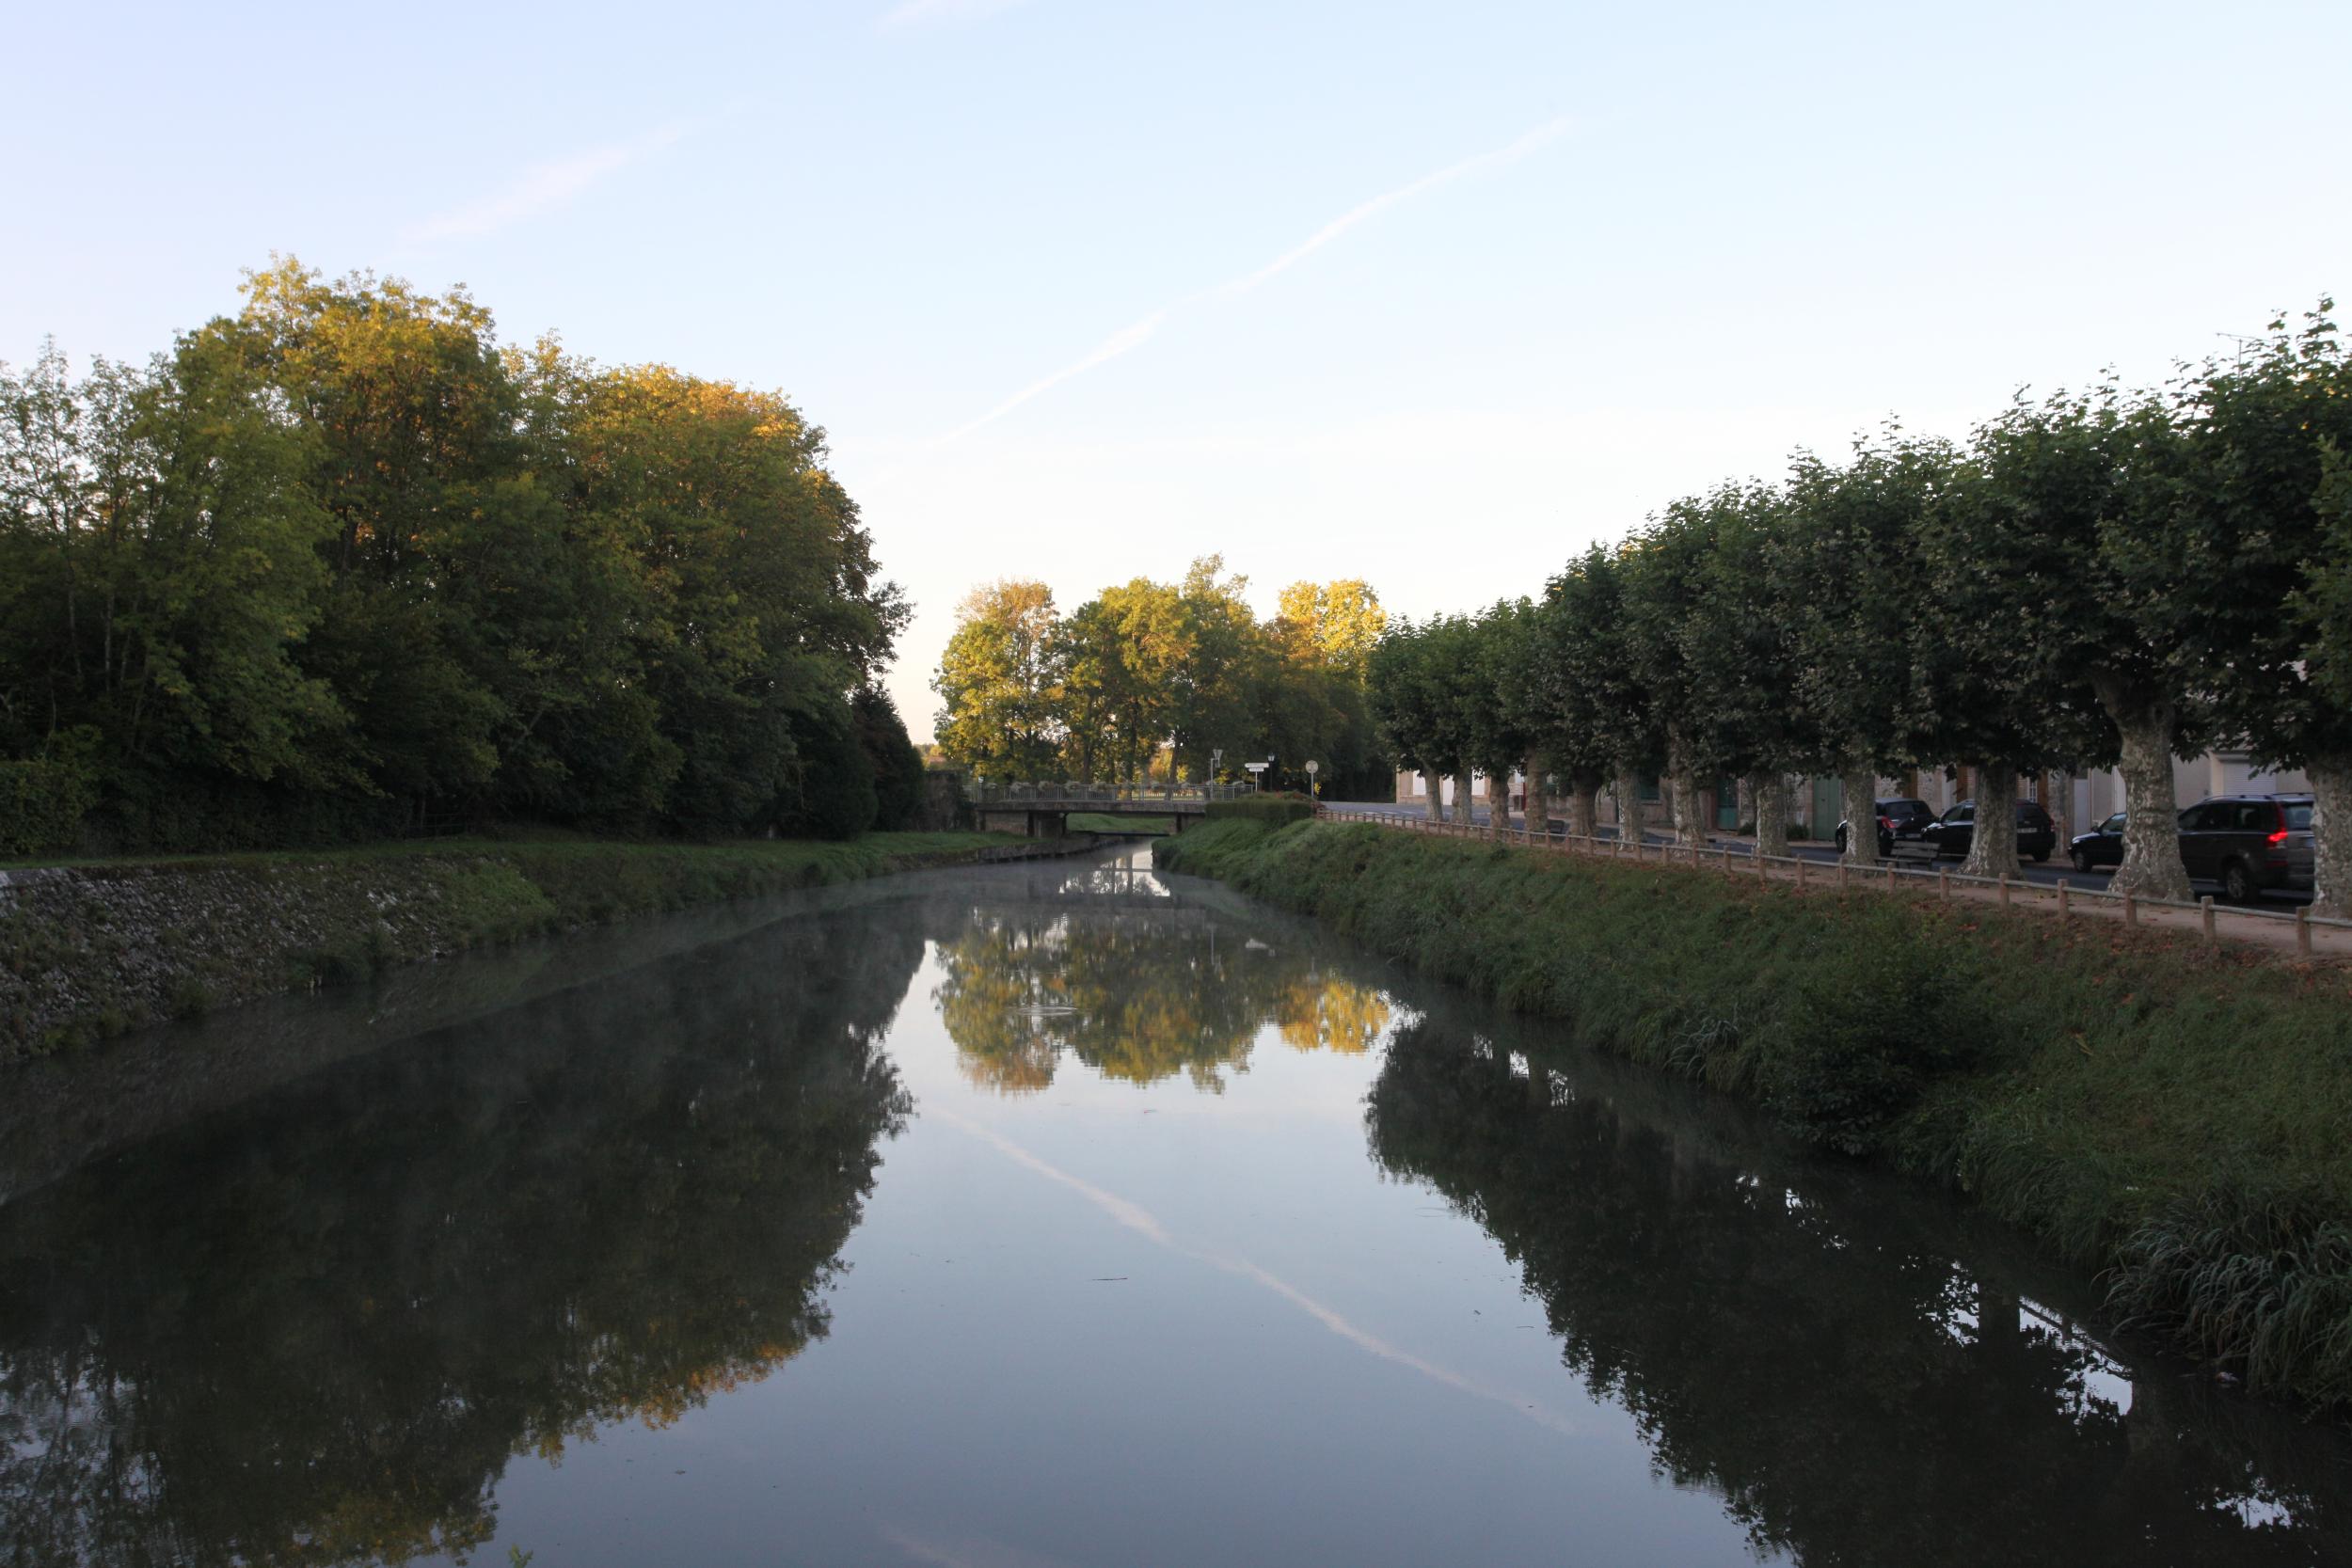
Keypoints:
pixel 1059 1215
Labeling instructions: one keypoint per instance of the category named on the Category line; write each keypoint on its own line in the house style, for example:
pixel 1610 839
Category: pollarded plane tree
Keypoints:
pixel 1737 645
pixel 1499 728
pixel 1405 704
pixel 1844 569
pixel 2256 555
pixel 2002 648
pixel 1588 714
pixel 1665 615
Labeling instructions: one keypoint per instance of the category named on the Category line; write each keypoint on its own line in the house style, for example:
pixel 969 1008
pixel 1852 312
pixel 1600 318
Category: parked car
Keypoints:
pixel 2102 846
pixel 1956 830
pixel 2247 842
pixel 1900 821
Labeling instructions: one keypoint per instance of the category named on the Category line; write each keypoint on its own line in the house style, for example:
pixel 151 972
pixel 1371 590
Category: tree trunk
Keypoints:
pixel 1584 805
pixel 2331 836
pixel 1861 788
pixel 1689 829
pixel 1771 814
pixel 1499 804
pixel 1629 806
pixel 2151 835
pixel 1538 800
pixel 1462 801
pixel 1992 844
pixel 1434 786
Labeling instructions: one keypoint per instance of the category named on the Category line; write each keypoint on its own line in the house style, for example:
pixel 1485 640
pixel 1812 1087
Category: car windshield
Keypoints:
pixel 2298 816
pixel 2113 824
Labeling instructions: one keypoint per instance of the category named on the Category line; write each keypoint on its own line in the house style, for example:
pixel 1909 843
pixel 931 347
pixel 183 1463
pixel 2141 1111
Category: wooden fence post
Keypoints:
pixel 2062 908
pixel 2205 907
pixel 2303 930
pixel 2131 909
pixel 2005 890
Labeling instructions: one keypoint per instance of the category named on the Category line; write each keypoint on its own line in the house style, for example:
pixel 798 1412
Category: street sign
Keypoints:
pixel 1255 766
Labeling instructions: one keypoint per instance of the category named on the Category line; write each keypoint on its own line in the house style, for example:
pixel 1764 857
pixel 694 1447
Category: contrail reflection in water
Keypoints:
pixel 1140 1220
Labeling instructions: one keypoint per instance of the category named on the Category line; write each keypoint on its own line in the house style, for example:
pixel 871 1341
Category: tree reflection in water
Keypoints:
pixel 1788 1336
pixel 1137 996
pixel 315 1329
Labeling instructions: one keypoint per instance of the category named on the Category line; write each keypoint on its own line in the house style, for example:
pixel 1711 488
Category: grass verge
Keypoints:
pixel 2171 1117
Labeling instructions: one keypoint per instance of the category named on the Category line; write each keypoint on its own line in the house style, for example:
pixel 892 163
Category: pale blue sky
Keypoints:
pixel 1541 268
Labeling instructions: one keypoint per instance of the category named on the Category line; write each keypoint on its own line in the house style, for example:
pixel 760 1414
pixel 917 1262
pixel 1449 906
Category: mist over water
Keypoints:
pixel 1035 1215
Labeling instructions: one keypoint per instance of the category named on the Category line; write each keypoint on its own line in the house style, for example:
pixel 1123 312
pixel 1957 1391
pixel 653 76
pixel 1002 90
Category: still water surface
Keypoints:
pixel 1035 1216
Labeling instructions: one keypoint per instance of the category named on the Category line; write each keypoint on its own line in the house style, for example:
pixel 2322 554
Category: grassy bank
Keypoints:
pixel 92 948
pixel 2174 1118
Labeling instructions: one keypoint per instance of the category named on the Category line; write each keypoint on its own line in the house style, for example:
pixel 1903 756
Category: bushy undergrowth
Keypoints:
pixel 2170 1114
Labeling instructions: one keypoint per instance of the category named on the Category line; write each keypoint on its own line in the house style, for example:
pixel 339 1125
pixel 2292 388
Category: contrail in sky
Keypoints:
pixel 1136 334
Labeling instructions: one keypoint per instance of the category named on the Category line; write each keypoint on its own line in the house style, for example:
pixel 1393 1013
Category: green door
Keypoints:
pixel 1727 805
pixel 1828 807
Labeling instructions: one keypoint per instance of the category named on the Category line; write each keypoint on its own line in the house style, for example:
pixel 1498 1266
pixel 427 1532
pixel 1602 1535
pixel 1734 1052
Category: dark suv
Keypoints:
pixel 1956 830
pixel 2247 842
pixel 1898 819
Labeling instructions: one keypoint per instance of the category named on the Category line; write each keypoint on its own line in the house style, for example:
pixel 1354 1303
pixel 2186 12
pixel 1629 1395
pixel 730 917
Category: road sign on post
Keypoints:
pixel 1314 789
pixel 1256 772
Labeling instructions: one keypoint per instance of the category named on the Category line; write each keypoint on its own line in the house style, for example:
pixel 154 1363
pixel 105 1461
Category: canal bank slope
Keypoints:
pixel 88 951
pixel 2172 1117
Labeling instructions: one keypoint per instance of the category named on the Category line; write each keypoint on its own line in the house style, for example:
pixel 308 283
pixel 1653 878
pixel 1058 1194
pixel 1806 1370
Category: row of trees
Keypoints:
pixel 342 559
pixel 2105 579
pixel 1148 675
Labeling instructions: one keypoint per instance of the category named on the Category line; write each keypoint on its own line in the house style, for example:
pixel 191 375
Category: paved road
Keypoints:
pixel 1825 854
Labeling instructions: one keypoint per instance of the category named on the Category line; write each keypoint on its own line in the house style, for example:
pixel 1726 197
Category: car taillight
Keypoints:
pixel 1887 822
pixel 2279 837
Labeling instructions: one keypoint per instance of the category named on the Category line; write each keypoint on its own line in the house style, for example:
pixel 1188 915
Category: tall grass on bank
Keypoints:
pixel 2172 1116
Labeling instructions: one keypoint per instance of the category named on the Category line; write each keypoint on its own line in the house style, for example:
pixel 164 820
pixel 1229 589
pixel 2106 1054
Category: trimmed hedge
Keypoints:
pixel 1275 809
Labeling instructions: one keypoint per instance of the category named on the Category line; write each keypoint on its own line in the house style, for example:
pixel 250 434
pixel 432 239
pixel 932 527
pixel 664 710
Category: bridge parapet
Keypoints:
pixel 1118 799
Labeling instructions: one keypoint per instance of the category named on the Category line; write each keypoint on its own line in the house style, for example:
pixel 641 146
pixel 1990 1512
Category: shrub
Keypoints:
pixel 1275 809
pixel 43 803
pixel 1868 1026
pixel 831 794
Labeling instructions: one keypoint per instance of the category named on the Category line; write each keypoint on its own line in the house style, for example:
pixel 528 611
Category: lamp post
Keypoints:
pixel 1314 790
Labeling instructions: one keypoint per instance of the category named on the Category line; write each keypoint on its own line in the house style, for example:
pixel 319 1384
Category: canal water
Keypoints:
pixel 1026 1216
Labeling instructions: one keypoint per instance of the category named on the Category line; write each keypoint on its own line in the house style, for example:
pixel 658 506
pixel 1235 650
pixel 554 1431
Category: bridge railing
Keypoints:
pixel 1072 792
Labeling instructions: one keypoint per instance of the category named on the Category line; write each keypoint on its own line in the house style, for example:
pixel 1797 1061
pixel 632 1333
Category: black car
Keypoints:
pixel 2102 846
pixel 2247 842
pixel 1898 819
pixel 1956 830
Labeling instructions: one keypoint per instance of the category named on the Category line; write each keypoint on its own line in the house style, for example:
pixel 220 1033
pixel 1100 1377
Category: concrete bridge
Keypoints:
pixel 1044 810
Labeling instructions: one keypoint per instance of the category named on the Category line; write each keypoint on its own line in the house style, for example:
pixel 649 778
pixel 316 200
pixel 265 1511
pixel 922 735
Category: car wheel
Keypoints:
pixel 2237 885
pixel 1841 841
pixel 2040 857
pixel 2081 858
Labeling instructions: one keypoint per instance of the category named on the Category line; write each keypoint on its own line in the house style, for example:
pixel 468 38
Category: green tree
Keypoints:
pixel 1845 568
pixel 998 682
pixel 1585 712
pixel 2261 533
pixel 1998 651
pixel 1217 679
pixel 2086 490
